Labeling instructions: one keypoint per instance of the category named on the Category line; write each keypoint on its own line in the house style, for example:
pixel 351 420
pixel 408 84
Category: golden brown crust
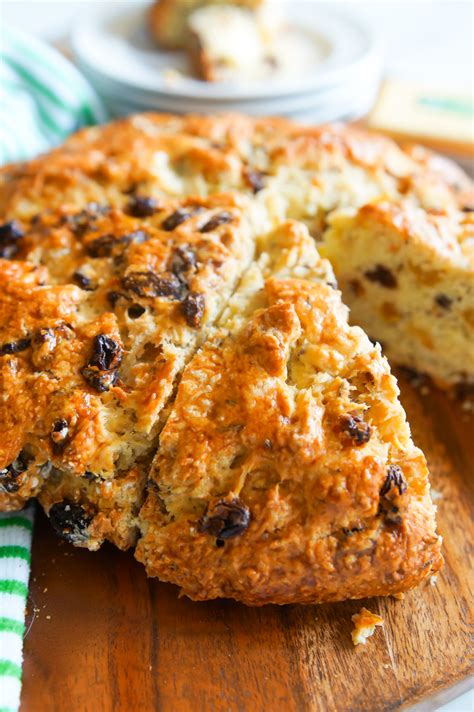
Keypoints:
pixel 286 472
pixel 88 368
pixel 269 408
pixel 163 155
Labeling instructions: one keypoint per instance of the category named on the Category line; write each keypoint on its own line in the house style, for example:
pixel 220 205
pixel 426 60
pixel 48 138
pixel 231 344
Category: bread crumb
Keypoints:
pixel 364 625
pixel 398 596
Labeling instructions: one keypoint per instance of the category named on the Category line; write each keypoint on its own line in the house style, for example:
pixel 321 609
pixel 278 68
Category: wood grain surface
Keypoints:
pixel 102 637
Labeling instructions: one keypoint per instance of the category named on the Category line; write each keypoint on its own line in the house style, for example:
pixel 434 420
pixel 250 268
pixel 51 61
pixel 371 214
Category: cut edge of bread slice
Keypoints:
pixel 408 277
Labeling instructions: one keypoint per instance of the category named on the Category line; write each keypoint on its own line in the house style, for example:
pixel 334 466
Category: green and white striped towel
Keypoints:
pixel 43 97
pixel 15 544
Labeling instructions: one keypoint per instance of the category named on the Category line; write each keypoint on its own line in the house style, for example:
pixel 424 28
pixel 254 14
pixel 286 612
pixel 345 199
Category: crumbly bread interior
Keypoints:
pixel 408 277
pixel 285 471
pixel 218 34
pixel 168 19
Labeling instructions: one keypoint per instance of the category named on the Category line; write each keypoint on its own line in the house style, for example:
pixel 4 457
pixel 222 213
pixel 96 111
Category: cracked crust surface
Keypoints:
pixel 88 368
pixel 95 250
pixel 286 471
pixel 296 171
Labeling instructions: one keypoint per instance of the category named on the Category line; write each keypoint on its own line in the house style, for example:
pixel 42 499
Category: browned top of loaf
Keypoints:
pixel 98 315
pixel 286 471
pixel 161 155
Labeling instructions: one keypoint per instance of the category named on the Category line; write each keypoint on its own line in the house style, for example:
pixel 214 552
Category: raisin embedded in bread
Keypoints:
pixel 98 316
pixel 408 277
pixel 286 472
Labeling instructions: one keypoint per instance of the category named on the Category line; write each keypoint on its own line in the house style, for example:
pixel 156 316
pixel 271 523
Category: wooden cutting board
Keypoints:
pixel 102 637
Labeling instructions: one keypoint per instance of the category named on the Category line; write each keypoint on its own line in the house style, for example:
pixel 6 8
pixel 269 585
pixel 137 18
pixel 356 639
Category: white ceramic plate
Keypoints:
pixel 338 96
pixel 114 45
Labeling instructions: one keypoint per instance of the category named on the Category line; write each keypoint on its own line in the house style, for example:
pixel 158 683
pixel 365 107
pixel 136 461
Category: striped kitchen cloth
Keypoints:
pixel 43 97
pixel 15 544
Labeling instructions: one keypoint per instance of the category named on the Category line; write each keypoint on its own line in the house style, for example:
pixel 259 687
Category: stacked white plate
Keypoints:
pixel 114 50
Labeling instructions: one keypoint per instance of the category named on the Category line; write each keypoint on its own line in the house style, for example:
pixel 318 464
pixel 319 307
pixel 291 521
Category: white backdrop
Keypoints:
pixel 429 42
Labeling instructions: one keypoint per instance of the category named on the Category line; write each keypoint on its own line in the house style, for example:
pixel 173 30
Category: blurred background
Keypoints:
pixel 405 68
pixel 429 41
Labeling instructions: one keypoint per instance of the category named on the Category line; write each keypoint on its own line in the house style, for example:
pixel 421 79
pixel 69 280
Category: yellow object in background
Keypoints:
pixel 431 116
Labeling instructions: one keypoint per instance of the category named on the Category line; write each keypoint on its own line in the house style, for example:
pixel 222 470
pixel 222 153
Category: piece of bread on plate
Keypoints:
pixel 168 19
pixel 286 472
pixel 229 43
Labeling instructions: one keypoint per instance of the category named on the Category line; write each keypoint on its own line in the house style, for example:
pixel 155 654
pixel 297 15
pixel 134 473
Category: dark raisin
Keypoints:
pixel 149 284
pixel 353 530
pixel 105 245
pixel 135 311
pixel 83 221
pixel 141 206
pixel 10 234
pixel 70 521
pixel 183 260
pixel 59 431
pixel 13 347
pixel 395 478
pixel 226 519
pixel 383 276
pixel 468 208
pixel 216 220
pixel 443 301
pixel 101 246
pixel 113 297
pixel 106 354
pixel 220 543
pixel 255 179
pixel 101 371
pixel 83 282
pixel 91 477
pixel 172 221
pixel 9 475
pixel 192 307
pixel 357 429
